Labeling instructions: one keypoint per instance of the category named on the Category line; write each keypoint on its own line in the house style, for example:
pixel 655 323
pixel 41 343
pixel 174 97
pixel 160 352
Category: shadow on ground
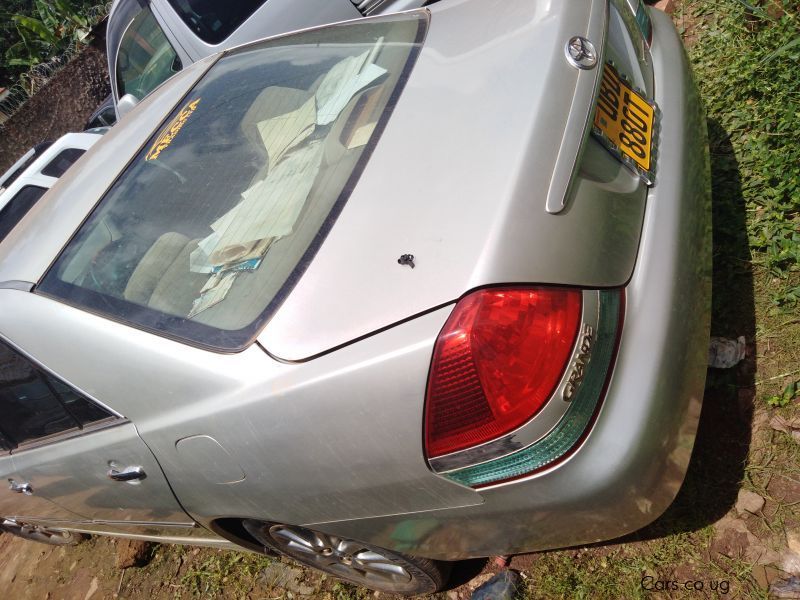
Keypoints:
pixel 722 445
pixel 465 571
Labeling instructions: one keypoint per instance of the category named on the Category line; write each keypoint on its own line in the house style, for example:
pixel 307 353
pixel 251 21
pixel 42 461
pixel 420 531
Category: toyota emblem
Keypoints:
pixel 581 53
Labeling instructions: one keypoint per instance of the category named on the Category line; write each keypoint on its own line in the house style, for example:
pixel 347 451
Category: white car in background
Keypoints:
pixel 39 168
pixel 148 41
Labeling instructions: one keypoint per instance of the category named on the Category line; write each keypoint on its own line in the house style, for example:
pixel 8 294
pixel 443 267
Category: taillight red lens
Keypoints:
pixel 496 362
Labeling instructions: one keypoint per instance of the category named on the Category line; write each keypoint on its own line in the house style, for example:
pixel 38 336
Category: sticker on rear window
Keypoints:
pixel 165 137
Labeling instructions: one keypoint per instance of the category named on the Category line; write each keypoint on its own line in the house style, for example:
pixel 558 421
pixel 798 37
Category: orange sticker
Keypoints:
pixel 165 137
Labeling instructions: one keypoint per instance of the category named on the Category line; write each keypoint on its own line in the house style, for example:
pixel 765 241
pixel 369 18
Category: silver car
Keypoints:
pixel 380 295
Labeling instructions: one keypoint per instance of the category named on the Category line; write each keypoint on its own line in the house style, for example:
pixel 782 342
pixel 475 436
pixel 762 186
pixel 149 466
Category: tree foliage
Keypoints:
pixel 32 31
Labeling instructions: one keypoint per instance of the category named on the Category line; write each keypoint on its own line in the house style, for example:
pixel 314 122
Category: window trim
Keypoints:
pixel 7 206
pixel 68 434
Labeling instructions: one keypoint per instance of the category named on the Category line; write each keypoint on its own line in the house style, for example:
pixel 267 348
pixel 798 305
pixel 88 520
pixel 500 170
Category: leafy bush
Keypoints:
pixel 746 59
pixel 32 31
pixel 786 396
pixel 57 27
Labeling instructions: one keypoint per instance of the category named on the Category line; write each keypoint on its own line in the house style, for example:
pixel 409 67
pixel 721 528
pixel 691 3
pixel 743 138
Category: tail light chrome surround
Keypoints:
pixel 567 416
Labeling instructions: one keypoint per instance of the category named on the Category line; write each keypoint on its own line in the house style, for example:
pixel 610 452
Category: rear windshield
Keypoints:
pixel 212 224
pixel 63 161
pixel 211 20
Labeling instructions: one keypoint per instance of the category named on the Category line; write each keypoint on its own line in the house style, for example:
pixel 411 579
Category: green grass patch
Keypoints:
pixel 234 572
pixel 746 57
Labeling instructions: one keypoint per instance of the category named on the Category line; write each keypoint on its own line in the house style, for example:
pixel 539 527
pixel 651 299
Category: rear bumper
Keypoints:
pixel 632 463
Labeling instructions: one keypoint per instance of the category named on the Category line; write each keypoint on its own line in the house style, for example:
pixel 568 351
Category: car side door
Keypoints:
pixel 76 459
pixel 16 497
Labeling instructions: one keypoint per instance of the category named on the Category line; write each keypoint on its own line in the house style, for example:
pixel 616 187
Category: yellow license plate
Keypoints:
pixel 624 121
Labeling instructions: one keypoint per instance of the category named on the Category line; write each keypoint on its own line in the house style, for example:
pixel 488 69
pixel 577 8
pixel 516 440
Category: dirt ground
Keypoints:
pixel 91 571
pixel 64 104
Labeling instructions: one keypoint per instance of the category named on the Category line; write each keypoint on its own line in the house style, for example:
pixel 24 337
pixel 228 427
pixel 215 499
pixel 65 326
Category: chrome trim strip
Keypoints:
pixel 367 7
pixel 65 523
pixel 220 543
pixel 215 542
pixel 581 116
pixel 544 421
pixel 14 284
pixel 69 434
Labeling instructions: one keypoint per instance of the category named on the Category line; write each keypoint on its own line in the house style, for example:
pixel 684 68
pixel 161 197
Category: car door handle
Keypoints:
pixel 20 488
pixel 129 474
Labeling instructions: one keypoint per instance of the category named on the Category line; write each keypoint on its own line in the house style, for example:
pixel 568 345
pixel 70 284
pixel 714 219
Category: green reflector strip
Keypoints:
pixel 643 21
pixel 574 422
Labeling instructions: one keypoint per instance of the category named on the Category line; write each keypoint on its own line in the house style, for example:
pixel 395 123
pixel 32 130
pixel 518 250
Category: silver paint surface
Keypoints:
pixel 632 464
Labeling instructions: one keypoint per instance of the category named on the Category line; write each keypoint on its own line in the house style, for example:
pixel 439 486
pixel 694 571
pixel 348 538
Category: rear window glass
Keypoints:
pixel 212 224
pixel 17 207
pixel 59 165
pixel 211 20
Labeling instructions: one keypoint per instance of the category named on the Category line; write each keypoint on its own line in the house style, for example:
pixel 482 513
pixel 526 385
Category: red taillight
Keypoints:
pixel 496 362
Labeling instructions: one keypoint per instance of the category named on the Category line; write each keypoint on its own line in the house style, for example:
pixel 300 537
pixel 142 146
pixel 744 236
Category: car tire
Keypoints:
pixel 43 535
pixel 352 561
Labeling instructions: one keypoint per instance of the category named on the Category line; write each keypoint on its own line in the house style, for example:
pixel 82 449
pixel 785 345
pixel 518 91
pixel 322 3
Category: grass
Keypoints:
pixel 347 591
pixel 236 573
pixel 746 59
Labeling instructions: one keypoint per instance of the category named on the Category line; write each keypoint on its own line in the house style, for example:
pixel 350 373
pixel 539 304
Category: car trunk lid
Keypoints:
pixel 490 125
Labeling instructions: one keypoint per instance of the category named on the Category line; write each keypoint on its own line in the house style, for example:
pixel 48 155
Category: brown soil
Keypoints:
pixel 62 105
pixel 89 571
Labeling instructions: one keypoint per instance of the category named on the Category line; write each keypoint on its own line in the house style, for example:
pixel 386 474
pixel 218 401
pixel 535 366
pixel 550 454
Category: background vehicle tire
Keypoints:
pixel 35 533
pixel 352 561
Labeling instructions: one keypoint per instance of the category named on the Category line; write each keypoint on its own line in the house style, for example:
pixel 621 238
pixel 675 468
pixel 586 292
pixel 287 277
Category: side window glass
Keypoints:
pixel 18 207
pixel 63 161
pixel 9 177
pixel 80 408
pixel 213 21
pixel 145 57
pixel 29 409
pixel 35 405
